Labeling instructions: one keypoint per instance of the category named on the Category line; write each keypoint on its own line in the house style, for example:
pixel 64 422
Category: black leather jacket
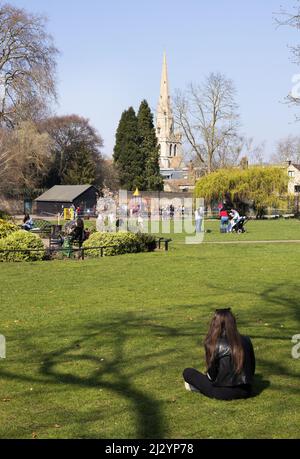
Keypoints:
pixel 222 372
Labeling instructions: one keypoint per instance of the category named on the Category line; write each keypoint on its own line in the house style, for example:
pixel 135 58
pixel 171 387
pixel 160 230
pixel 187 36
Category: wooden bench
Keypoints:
pixel 41 227
pixel 161 240
pixel 271 217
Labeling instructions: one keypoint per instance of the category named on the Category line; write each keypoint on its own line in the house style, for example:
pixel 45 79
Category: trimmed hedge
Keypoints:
pixel 147 242
pixel 7 228
pixel 121 243
pixel 22 240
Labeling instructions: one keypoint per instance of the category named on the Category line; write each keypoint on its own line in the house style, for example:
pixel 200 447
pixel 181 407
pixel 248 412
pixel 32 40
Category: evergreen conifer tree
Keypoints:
pixel 128 155
pixel 81 169
pixel 149 147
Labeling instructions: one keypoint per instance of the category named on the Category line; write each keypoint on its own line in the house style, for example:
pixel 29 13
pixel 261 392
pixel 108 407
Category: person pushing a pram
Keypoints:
pixel 234 219
pixel 237 222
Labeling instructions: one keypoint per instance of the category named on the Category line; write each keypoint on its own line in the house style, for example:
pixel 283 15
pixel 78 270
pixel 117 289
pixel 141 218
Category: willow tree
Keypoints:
pixel 24 159
pixel 258 187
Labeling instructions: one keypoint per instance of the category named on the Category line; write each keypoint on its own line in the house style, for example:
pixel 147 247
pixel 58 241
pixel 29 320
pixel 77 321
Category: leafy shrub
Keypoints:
pixel 4 215
pixel 91 229
pixel 21 240
pixel 120 243
pixel 7 228
pixel 147 242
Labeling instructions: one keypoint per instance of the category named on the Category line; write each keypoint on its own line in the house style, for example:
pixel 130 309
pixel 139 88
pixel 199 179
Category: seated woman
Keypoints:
pixel 230 362
pixel 27 223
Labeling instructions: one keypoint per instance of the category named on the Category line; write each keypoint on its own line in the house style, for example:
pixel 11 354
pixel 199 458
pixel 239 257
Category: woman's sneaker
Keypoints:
pixel 190 388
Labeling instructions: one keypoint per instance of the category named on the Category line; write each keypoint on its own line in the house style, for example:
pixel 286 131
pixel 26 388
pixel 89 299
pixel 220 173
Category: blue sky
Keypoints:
pixel 112 50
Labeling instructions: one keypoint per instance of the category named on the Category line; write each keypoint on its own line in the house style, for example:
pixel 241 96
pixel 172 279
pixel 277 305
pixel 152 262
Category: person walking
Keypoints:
pixel 199 219
pixel 172 211
pixel 230 361
pixel 235 218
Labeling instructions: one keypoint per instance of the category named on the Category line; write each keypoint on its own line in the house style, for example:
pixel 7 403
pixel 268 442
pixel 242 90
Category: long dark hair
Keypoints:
pixel 80 223
pixel 26 218
pixel 224 325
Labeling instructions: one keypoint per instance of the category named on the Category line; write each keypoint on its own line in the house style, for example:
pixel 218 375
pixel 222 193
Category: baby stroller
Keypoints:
pixel 238 227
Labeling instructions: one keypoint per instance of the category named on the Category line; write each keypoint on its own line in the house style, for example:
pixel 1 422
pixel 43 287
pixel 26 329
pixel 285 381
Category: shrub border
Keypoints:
pixel 81 250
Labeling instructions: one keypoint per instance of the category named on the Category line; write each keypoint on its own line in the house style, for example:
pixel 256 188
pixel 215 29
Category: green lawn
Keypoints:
pixel 96 349
pixel 263 230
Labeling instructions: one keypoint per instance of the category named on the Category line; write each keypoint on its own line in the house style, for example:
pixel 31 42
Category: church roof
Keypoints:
pixel 176 185
pixel 175 174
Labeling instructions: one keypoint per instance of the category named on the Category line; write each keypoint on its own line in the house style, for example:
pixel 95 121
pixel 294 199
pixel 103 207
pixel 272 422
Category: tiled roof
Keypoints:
pixel 63 193
pixel 175 185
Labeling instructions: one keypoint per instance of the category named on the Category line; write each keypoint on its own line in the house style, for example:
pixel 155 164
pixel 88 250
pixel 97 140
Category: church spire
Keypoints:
pixel 164 106
pixel 165 122
pixel 169 142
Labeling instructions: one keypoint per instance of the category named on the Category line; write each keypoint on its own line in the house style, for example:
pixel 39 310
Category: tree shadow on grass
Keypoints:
pixel 125 363
pixel 259 385
pixel 116 374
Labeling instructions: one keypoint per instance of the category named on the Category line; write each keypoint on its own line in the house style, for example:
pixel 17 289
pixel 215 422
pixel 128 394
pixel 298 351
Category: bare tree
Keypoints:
pixel 70 134
pixel 110 175
pixel 24 158
pixel 208 116
pixel 254 152
pixel 292 19
pixel 5 156
pixel 288 149
pixel 229 152
pixel 27 64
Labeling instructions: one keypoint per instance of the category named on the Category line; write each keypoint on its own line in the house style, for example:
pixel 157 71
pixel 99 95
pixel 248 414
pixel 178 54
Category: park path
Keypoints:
pixel 287 241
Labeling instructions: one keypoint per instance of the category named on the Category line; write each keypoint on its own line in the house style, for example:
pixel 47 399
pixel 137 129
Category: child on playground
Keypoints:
pixel 230 361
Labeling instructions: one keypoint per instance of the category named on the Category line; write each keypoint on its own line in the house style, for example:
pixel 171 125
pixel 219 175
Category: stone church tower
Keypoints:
pixel 170 142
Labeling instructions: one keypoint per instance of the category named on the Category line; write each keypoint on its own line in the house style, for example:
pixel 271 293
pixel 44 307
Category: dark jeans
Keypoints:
pixel 206 387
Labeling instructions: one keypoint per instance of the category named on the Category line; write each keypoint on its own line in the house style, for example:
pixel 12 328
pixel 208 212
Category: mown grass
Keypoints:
pixel 96 349
pixel 263 230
